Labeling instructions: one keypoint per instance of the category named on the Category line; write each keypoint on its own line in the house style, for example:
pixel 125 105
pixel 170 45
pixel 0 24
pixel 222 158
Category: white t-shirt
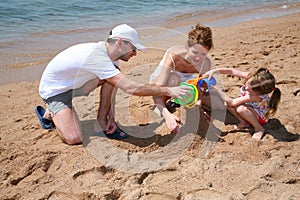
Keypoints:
pixel 75 66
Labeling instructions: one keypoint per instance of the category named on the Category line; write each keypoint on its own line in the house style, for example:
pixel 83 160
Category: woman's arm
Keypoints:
pixel 172 120
pixel 162 79
pixel 165 71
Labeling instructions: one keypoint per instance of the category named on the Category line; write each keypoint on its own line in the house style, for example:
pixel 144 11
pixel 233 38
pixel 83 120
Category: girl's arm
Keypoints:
pixel 241 100
pixel 229 71
pixel 233 102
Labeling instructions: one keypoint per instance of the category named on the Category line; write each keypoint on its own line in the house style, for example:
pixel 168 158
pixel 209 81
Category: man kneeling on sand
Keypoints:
pixel 80 69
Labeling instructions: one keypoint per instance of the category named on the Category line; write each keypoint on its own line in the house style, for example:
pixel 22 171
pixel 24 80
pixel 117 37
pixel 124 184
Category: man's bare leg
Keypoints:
pixel 67 122
pixel 68 126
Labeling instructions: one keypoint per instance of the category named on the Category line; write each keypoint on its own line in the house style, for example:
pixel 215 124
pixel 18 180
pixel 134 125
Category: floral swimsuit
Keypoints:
pixel 260 107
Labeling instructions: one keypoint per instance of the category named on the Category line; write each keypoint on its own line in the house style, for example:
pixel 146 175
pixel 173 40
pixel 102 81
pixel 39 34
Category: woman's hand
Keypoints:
pixel 172 121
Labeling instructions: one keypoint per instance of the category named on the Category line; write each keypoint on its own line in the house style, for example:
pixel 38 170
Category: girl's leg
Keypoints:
pixel 242 122
pixel 248 114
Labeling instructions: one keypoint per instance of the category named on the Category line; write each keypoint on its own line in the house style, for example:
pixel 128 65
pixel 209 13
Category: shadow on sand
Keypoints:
pixel 144 135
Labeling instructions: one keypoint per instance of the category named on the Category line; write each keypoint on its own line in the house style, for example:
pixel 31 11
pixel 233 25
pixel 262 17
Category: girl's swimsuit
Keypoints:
pixel 260 107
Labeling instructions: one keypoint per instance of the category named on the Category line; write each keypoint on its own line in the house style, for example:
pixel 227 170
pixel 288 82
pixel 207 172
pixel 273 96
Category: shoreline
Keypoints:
pixel 18 66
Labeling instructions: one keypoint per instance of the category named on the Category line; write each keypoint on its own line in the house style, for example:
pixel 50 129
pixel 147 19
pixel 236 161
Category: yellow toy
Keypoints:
pixel 203 84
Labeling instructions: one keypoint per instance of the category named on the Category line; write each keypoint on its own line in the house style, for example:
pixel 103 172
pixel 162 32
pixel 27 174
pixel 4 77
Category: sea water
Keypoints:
pixel 30 29
pixel 21 18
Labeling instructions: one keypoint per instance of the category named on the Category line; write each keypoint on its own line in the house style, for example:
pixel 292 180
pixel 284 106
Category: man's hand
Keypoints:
pixel 180 91
pixel 111 126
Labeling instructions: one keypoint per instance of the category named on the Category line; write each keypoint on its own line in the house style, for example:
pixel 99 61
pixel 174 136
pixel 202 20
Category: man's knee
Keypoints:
pixel 70 138
pixel 90 86
pixel 73 140
pixel 68 126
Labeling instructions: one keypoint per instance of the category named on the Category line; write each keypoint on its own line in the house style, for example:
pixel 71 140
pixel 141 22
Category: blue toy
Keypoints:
pixel 205 84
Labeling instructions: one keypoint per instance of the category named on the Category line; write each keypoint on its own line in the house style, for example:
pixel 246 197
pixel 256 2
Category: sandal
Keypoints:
pixel 45 123
pixel 117 135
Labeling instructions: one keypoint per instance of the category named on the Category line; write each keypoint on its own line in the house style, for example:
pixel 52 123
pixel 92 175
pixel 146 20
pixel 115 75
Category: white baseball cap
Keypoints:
pixel 127 33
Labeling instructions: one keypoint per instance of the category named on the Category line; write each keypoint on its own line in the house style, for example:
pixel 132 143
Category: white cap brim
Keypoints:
pixel 139 46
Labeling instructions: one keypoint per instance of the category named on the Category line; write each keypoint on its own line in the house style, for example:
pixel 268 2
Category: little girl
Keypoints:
pixel 255 105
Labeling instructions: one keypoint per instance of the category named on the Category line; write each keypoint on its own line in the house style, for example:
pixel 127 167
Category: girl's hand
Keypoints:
pixel 209 73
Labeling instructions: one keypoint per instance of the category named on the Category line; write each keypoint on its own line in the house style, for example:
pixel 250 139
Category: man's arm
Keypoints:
pixel 111 123
pixel 139 89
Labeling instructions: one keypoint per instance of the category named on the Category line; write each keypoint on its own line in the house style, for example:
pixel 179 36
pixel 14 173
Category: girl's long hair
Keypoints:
pixel 263 82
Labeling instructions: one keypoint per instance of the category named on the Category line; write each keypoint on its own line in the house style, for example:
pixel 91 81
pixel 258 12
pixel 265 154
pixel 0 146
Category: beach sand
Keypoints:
pixel 152 163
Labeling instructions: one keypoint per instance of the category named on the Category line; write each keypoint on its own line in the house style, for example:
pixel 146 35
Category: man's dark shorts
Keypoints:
pixel 63 100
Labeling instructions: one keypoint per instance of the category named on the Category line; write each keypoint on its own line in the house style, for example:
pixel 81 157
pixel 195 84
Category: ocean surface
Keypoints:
pixel 30 29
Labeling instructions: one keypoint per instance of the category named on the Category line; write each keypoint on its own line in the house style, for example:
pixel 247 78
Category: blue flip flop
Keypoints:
pixel 116 135
pixel 45 123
